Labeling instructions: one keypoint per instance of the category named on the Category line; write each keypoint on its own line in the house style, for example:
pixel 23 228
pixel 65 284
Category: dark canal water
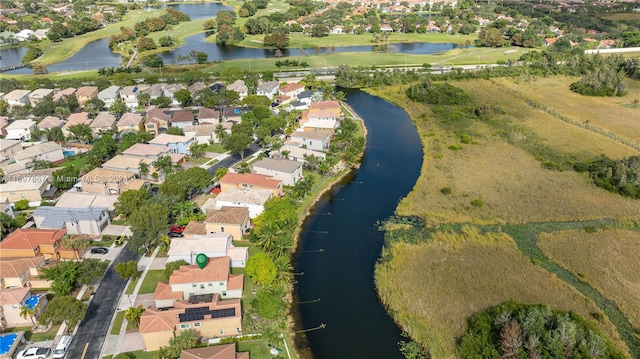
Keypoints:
pixel 357 325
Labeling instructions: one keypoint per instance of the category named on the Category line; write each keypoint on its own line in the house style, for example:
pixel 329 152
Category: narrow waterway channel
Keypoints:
pixel 339 244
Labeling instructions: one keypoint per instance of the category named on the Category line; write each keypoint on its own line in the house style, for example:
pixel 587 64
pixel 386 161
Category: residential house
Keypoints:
pixel 232 220
pixel 69 91
pixel 207 315
pixel 86 93
pixel 37 96
pixel 313 140
pixel 34 242
pixel 298 105
pixel 13 169
pixel 154 91
pixel 240 87
pixel 269 89
pixel 5 207
pixel 194 228
pixel 129 95
pixel 191 281
pixel 253 199
pixel 8 148
pixel 336 29
pixel 152 152
pixel 4 123
pixel 72 199
pixel 110 182
pixel 182 118
pixel 195 87
pixel 234 113
pixel 20 130
pixel 109 95
pixel 127 163
pixel 79 118
pixel 324 110
pixel 232 181
pixel 170 90
pixel 24 35
pixel 282 99
pixel 31 188
pixel 222 351
pixel 292 90
pixel 104 121
pixel 287 171
pixel 213 245
pixel 17 98
pixel 385 28
pixel 47 151
pixel 296 153
pixel 217 87
pixel 88 221
pixel 49 122
pixel 22 272
pixel 157 121
pixel 177 144
pixel 12 299
pixel 203 133
pixel 130 122
pixel 305 96
pixel 208 115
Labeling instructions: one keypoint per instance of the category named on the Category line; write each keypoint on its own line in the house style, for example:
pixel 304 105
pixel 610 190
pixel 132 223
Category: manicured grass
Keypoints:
pixel 494 170
pixel 35 337
pixel 138 354
pixel 151 280
pixel 258 349
pixel 198 161
pixel 606 260
pixel 117 323
pixel 215 147
pixel 456 57
pixel 435 286
pixel 298 40
pixel 77 161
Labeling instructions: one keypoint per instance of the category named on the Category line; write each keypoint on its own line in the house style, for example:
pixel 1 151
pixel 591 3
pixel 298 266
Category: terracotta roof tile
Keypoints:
pixel 216 270
pixel 235 282
pixel 13 296
pixel 15 267
pixel 229 215
pixel 195 228
pixel 31 238
pixel 163 291
pixel 252 179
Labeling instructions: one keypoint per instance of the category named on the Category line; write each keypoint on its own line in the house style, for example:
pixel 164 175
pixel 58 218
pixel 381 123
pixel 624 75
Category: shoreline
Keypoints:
pixel 292 317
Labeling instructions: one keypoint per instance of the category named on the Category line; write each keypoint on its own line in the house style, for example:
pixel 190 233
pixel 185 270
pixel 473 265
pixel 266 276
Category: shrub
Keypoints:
pixel 445 190
pixel 455 147
pixel 478 202
pixel 21 205
pixel 590 229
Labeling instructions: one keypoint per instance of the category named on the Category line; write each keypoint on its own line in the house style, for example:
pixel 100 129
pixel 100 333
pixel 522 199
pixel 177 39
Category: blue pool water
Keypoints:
pixel 6 341
pixel 68 153
pixel 33 301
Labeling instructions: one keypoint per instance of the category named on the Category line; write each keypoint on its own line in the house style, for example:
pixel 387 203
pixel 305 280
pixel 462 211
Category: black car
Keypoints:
pixel 175 235
pixel 99 250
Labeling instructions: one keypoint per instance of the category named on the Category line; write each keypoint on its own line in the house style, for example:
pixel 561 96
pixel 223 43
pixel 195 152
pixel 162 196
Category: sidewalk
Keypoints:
pixel 113 344
pixel 219 158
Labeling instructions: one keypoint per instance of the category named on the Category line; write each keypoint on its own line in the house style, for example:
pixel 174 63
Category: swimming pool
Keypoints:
pixel 33 301
pixel 9 342
pixel 68 153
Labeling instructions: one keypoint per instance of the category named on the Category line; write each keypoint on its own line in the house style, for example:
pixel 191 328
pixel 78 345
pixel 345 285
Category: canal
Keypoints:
pixel 339 243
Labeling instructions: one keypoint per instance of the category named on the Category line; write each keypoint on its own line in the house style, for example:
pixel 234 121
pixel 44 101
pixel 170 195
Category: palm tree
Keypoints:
pixel 220 133
pixel 27 311
pixel 78 244
pixel 282 246
pixel 284 272
pixel 5 224
pixel 133 314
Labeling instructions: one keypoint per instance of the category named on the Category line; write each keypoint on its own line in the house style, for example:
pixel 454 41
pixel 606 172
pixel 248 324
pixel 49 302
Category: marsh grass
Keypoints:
pixel 433 288
pixel 608 260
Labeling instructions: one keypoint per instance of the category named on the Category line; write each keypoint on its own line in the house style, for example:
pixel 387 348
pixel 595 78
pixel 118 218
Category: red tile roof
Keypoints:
pixel 216 270
pixel 31 238
pixel 229 215
pixel 163 291
pixel 250 178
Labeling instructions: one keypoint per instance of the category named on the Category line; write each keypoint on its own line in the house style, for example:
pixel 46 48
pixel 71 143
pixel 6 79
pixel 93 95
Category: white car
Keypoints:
pixel 34 353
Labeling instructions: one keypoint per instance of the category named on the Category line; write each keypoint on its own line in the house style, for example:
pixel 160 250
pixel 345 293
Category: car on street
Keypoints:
pixel 175 235
pixel 176 229
pixel 99 250
pixel 34 353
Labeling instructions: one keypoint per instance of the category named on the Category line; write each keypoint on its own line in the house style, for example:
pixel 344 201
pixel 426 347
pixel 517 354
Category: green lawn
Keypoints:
pixel 199 161
pixel 215 147
pixel 298 40
pixel 259 349
pixel 151 281
pixel 36 337
pixel 140 354
pixel 131 286
pixel 77 161
pixel 117 323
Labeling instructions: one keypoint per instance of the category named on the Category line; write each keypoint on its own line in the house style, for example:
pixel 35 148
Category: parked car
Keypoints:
pixel 99 250
pixel 63 346
pixel 34 353
pixel 176 229
pixel 175 235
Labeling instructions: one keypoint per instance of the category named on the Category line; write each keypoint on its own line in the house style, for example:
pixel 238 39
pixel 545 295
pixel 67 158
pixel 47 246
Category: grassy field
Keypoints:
pixel 455 57
pixel 512 184
pixel 151 281
pixel 609 260
pixel 297 40
pixel 433 288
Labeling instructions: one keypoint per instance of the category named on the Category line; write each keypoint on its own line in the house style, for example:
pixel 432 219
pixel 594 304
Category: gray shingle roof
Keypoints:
pixel 56 217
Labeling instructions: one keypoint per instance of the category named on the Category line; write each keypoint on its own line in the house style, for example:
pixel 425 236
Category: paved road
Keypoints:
pixel 233 159
pixel 95 326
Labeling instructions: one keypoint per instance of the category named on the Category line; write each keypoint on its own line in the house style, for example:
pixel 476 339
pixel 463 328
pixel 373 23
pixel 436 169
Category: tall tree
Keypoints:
pixel 118 108
pixel 30 312
pixel 78 244
pixel 133 314
pixel 64 309
pixel 63 275
pixel 147 223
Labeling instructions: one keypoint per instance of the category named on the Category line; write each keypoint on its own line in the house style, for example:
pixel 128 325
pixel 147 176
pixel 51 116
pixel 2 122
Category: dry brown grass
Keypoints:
pixel 433 288
pixel 514 187
pixel 608 260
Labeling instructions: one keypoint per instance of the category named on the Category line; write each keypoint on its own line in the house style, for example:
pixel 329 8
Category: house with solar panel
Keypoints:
pixel 205 300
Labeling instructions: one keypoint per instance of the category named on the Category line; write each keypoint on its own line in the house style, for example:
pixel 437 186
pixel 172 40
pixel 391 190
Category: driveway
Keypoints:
pixel 233 159
pixel 94 328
